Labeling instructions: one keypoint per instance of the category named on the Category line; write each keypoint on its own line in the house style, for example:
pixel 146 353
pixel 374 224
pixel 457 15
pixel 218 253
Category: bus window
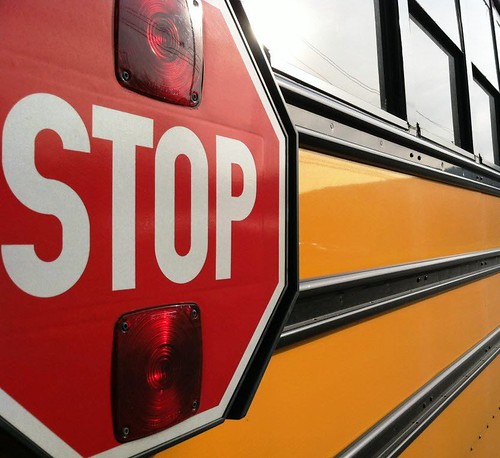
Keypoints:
pixel 484 122
pixel 330 44
pixel 479 39
pixel 444 13
pixel 433 72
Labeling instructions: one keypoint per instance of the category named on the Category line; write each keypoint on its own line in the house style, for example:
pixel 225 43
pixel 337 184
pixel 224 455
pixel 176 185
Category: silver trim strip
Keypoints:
pixel 469 182
pixel 340 96
pixel 353 313
pixel 334 280
pixel 395 447
pixel 392 128
pixel 327 303
pixel 404 134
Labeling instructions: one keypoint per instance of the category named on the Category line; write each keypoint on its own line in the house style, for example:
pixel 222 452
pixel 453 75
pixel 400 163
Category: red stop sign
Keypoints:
pixel 113 202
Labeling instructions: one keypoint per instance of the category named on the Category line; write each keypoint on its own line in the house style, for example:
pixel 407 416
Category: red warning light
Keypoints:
pixel 159 48
pixel 157 359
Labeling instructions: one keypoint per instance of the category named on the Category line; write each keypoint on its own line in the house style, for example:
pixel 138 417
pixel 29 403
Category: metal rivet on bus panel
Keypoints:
pixel 125 432
pixel 381 142
pixel 194 97
pixel 195 405
pixel 332 125
pixel 194 314
pixel 195 3
pixel 125 327
pixel 125 75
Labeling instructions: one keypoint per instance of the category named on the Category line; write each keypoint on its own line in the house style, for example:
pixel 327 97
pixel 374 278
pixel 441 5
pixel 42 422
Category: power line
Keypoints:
pixel 340 69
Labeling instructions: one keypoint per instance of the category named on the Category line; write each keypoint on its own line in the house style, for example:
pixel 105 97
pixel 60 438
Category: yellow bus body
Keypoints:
pixel 319 395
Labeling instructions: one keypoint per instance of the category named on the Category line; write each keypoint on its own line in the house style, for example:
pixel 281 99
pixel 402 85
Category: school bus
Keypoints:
pixel 390 348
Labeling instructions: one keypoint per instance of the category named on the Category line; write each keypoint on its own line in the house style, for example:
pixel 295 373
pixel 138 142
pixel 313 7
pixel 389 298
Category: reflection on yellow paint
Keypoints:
pixel 320 172
pixel 355 217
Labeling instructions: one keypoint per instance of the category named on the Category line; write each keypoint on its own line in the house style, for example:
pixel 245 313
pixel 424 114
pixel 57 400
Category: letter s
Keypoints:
pixel 26 119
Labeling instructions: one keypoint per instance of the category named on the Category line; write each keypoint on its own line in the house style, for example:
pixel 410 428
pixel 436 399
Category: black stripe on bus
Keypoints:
pixel 328 303
pixel 391 435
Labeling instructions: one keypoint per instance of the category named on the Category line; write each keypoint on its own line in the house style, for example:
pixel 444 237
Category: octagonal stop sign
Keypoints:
pixel 148 229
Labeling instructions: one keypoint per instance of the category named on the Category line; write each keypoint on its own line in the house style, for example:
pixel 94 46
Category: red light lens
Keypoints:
pixel 157 361
pixel 159 48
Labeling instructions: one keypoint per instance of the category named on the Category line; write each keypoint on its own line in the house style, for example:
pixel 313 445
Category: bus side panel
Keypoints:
pixel 355 216
pixel 318 396
pixel 470 426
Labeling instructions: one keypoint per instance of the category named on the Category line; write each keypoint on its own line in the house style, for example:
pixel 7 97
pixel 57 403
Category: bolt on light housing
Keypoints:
pixel 157 361
pixel 159 49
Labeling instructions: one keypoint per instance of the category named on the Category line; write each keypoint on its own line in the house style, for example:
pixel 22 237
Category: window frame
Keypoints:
pixel 390 65
pixel 458 78
pixel 342 109
pixel 479 79
pixel 473 73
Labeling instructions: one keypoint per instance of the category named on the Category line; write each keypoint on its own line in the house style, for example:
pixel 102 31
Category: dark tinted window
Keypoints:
pixel 327 43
